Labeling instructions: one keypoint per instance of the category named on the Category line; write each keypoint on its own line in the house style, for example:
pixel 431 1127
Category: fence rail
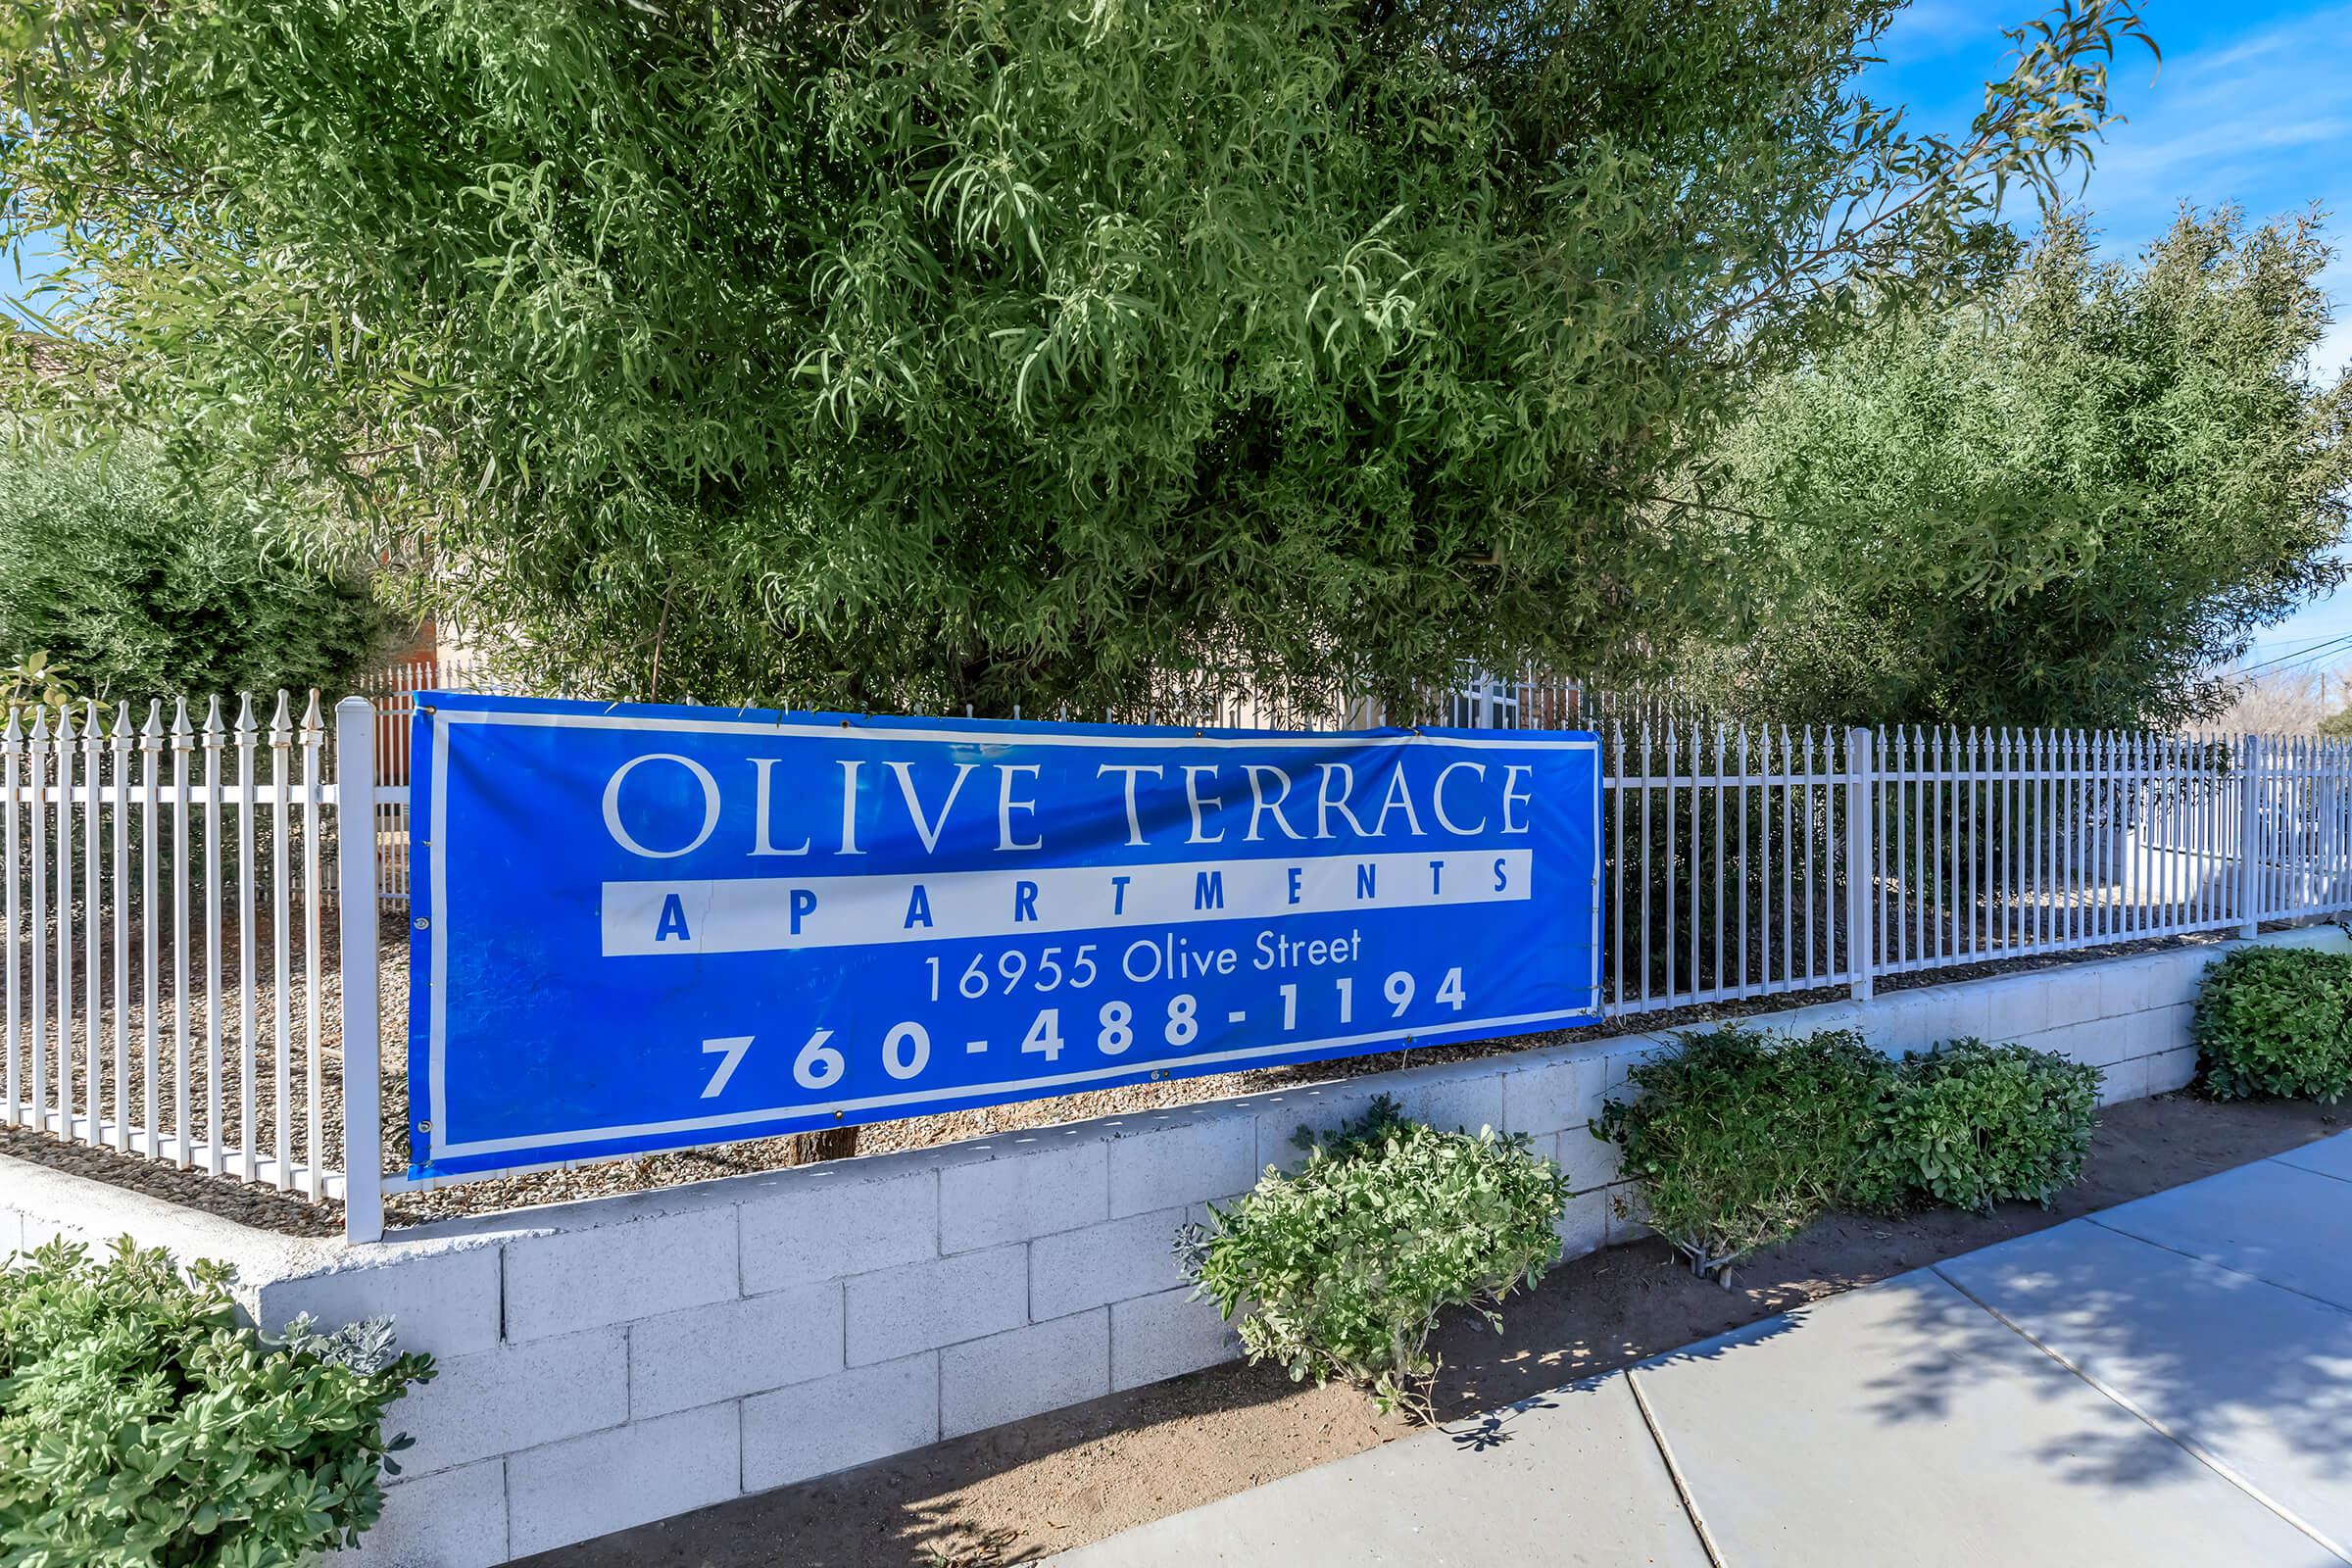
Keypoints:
pixel 174 888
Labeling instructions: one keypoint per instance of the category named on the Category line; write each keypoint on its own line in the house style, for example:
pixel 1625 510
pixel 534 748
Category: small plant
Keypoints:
pixel 142 1426
pixel 1741 1141
pixel 31 683
pixel 1342 1269
pixel 2276 1021
pixel 1971 1124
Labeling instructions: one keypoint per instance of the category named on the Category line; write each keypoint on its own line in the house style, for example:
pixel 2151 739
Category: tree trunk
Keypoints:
pixel 829 1142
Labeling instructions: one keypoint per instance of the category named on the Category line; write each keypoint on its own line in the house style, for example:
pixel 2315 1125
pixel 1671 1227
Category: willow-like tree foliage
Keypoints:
pixel 2070 503
pixel 995 351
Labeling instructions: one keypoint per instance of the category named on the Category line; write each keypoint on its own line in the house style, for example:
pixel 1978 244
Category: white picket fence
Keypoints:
pixel 168 987
pixel 176 879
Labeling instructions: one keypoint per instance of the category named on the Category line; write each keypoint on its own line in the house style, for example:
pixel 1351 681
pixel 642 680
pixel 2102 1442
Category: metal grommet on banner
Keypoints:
pixel 422 922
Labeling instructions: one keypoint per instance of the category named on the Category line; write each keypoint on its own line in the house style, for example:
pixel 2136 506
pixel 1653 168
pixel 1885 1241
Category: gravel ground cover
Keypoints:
pixel 262 1206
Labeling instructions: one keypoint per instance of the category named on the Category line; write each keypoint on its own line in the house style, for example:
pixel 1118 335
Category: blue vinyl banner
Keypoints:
pixel 639 928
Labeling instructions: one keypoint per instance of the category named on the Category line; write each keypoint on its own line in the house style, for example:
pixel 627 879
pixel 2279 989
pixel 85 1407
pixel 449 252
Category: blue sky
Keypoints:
pixel 2251 104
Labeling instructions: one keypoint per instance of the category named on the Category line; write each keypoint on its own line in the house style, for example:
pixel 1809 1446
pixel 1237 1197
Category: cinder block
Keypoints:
pixel 1121 1259
pixel 2124 1080
pixel 2169 1028
pixel 1321 1109
pixel 729 1348
pixel 631 1475
pixel 1206 1155
pixel 986 1383
pixel 2103 1042
pixel 814 1228
pixel 1953 1012
pixel 1466 1097
pixel 40 1230
pixel 1589 1161
pixel 920 1307
pixel 443 1303
pixel 1033 1192
pixel 516 1397
pixel 451 1519
pixel 2172 1069
pixel 2071 995
pixel 1546 1096
pixel 1904 1021
pixel 2075 1042
pixel 1628 1213
pixel 2136 983
pixel 1628 1052
pixel 1584 1225
pixel 2309 936
pixel 1792 1023
pixel 814 1429
pixel 2176 977
pixel 2016 1006
pixel 1165 1336
pixel 584 1279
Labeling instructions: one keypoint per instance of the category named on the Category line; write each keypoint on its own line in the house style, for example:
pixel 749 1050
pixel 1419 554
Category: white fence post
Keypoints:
pixel 2250 838
pixel 355 921
pixel 1861 830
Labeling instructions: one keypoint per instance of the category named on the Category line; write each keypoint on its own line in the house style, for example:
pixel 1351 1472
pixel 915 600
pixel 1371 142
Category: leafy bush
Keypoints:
pixel 2276 1021
pixel 1741 1140
pixel 141 1427
pixel 141 591
pixel 1342 1269
pixel 1971 1124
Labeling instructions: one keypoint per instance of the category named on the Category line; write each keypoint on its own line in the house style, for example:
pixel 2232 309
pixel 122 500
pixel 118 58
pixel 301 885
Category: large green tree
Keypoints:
pixel 2068 503
pixel 995 351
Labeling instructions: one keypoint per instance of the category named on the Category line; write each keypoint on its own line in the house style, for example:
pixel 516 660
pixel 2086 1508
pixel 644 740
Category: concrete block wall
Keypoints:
pixel 612 1361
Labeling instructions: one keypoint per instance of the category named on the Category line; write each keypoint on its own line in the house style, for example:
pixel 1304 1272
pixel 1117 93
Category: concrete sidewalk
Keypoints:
pixel 2167 1382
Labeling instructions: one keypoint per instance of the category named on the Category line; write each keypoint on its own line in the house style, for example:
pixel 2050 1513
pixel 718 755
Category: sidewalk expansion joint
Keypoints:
pixel 2193 1450
pixel 1674 1471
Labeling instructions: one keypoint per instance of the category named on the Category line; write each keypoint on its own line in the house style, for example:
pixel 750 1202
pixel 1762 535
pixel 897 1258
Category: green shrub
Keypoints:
pixel 1971 1124
pixel 2276 1021
pixel 1342 1269
pixel 141 1427
pixel 1741 1141
pixel 138 590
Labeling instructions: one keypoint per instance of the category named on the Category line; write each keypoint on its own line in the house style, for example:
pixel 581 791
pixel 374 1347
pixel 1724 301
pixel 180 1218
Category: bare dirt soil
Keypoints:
pixel 1023 1492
